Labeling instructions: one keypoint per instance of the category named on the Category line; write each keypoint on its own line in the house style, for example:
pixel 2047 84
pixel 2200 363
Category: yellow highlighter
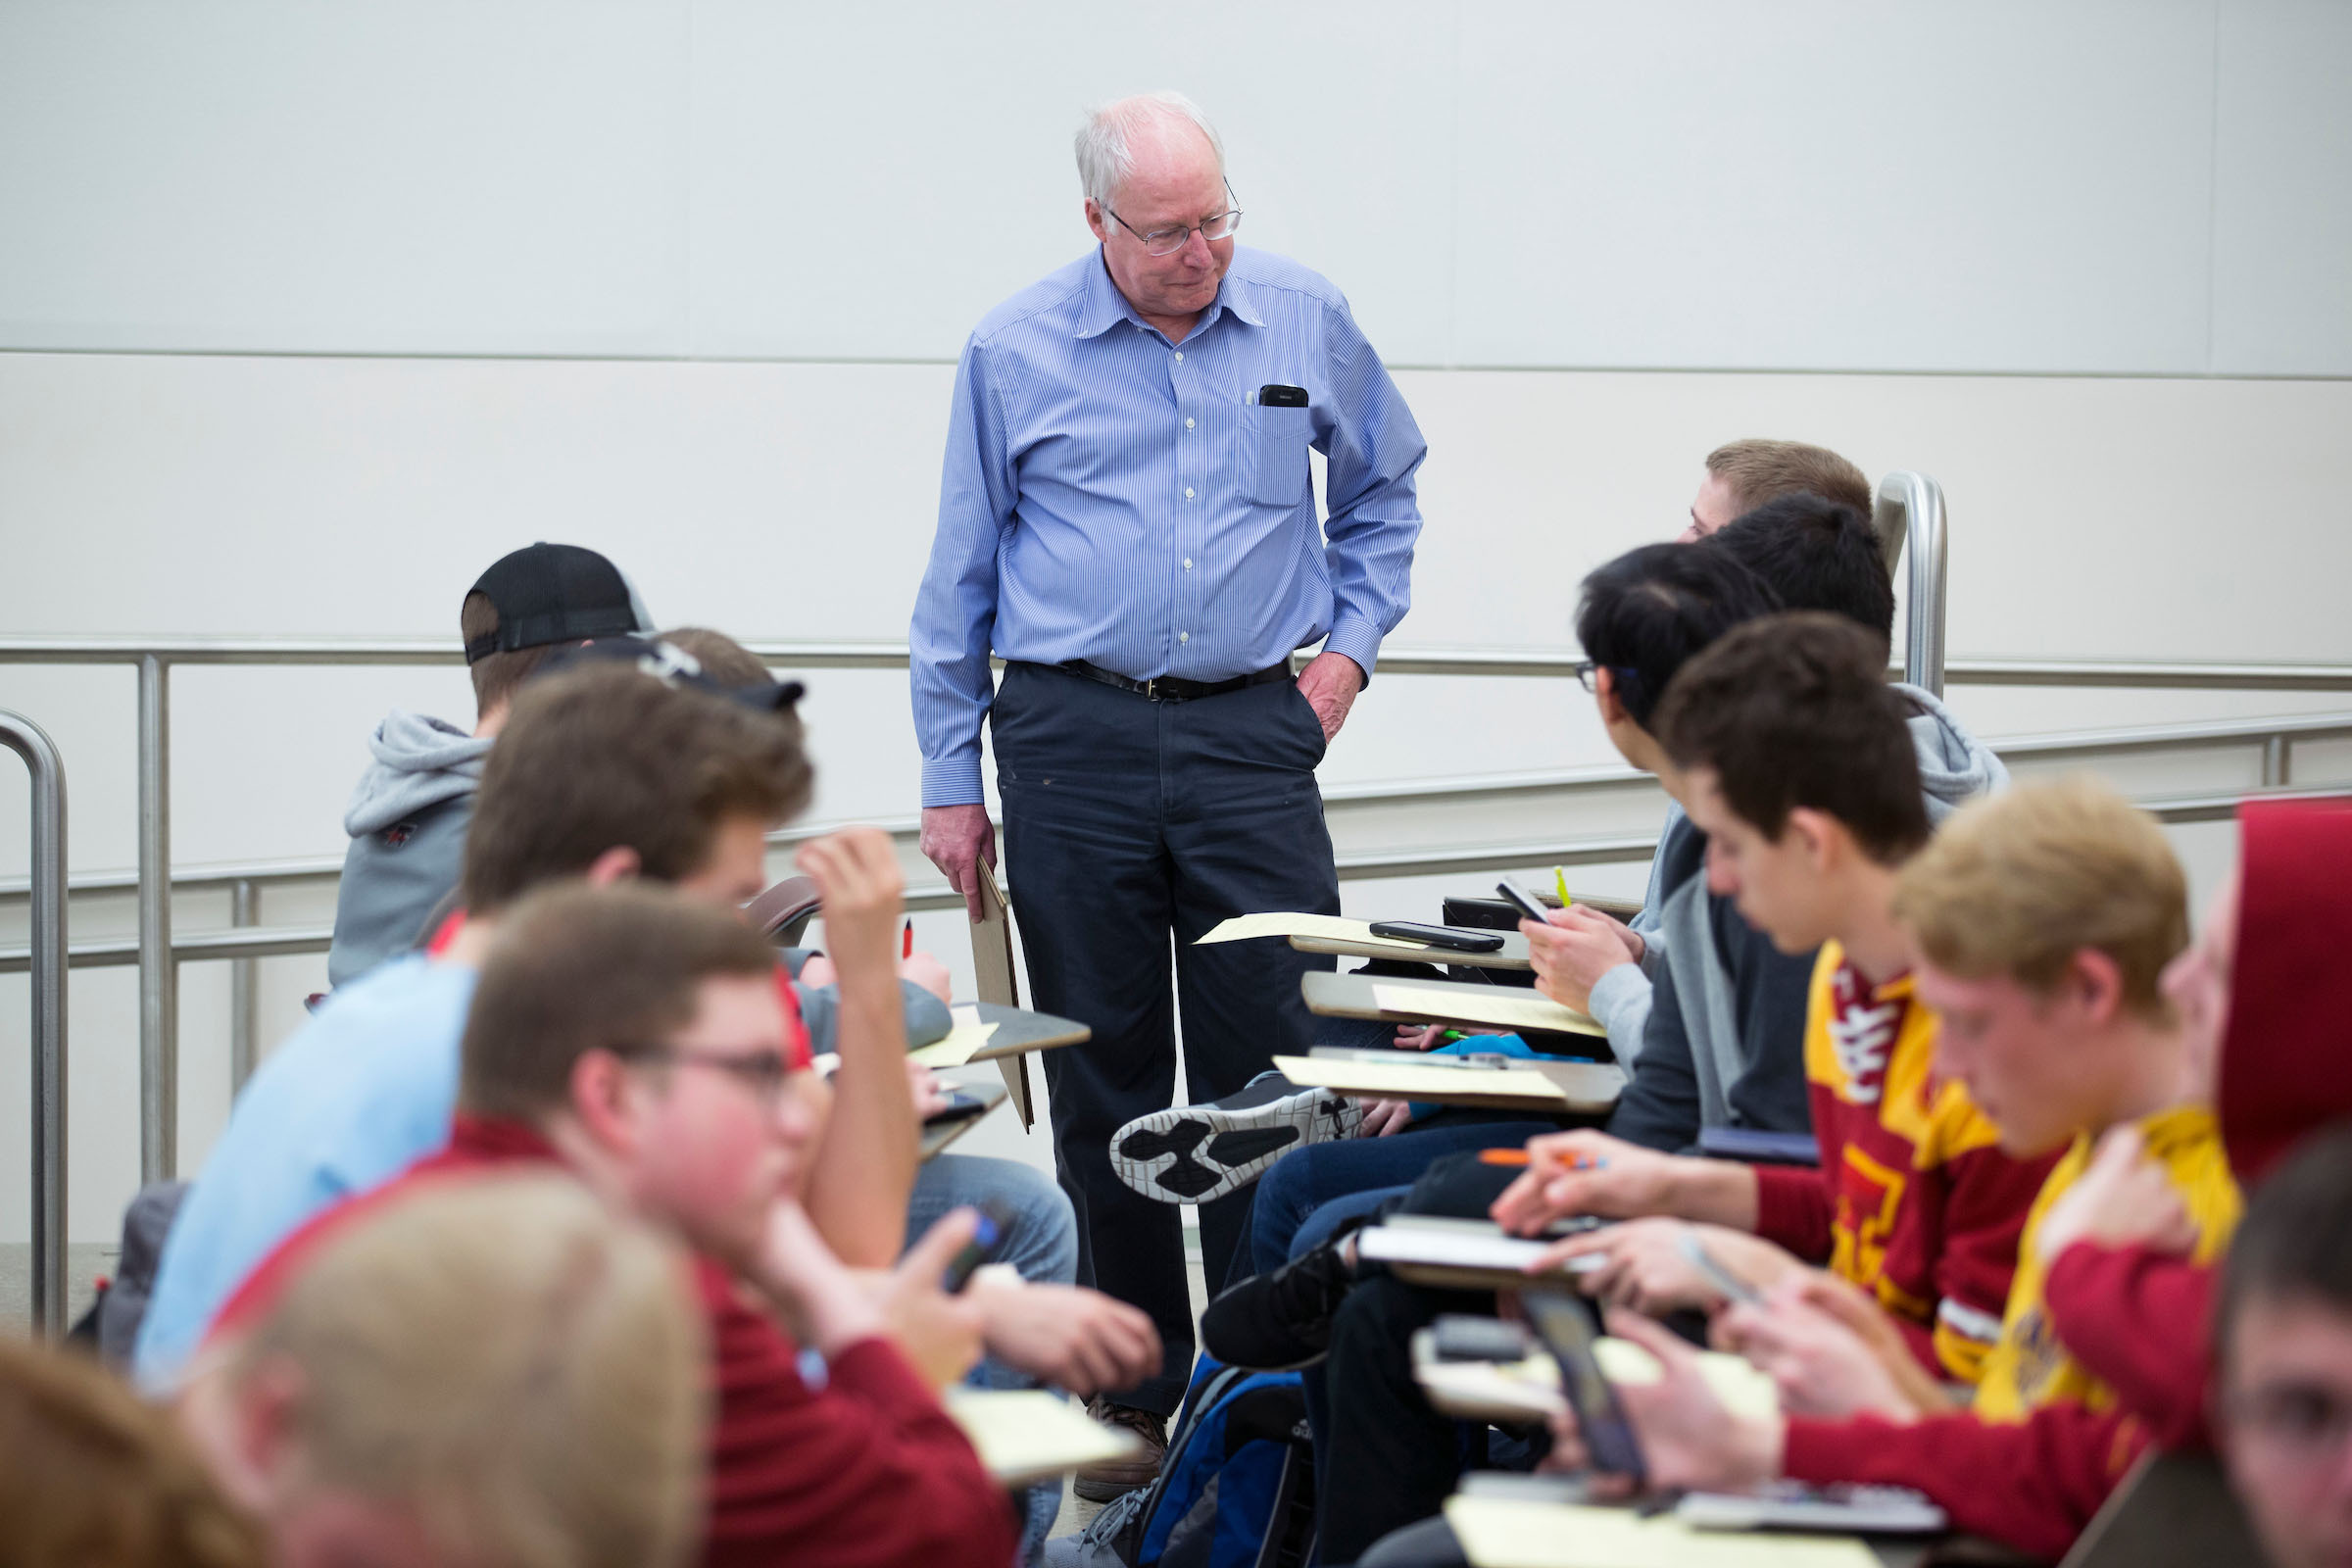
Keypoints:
pixel 1559 878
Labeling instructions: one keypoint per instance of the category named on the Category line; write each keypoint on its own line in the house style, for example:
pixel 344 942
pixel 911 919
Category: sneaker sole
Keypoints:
pixel 1193 1153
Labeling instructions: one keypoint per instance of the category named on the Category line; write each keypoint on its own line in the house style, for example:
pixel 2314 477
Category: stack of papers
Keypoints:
pixel 1513 1007
pixel 1330 927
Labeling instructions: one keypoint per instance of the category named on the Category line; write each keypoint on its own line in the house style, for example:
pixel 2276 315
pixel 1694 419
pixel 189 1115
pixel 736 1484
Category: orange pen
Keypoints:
pixel 1521 1158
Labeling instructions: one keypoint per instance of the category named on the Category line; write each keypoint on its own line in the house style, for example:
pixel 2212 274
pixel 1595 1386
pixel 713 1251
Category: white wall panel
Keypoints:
pixel 442 176
pixel 869 180
pixel 2282 205
pixel 1835 185
pixel 1694 183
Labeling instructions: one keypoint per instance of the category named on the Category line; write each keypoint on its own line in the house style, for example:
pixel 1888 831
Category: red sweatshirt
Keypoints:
pixel 1914 1199
pixel 866 1472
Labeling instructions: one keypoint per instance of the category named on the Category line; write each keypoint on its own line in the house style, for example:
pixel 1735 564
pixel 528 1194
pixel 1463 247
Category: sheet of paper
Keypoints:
pixel 1447 1249
pixel 1503 1006
pixel 1028 1434
pixel 969 1035
pixel 1516 1532
pixel 1417 1080
pixel 1330 928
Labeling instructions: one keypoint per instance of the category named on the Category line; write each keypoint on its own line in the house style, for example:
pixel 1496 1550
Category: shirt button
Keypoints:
pixel 1187 425
pixel 1184 636
pixel 1180 356
pixel 1187 492
pixel 1188 562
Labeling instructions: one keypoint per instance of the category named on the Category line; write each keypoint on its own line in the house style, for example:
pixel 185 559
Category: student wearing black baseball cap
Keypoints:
pixel 410 811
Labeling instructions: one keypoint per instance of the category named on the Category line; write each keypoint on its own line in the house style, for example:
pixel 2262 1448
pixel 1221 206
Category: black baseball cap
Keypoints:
pixel 553 593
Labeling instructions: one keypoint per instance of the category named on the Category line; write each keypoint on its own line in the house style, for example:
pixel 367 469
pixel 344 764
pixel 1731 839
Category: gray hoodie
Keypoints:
pixel 1955 766
pixel 407 820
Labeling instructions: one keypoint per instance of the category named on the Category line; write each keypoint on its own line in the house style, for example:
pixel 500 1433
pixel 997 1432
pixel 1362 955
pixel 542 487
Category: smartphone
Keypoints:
pixel 1562 1322
pixel 1457 1337
pixel 1723 1279
pixel 1274 395
pixel 995 1221
pixel 1529 905
pixel 1439 936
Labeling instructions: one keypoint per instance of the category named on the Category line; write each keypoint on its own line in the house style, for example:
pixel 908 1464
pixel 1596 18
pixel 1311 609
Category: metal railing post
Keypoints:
pixel 1911 505
pixel 28 741
pixel 244 911
pixel 159 975
pixel 2274 762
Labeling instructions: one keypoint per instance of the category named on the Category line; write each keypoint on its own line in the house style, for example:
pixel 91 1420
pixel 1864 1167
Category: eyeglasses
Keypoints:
pixel 1624 676
pixel 1175 236
pixel 764 1072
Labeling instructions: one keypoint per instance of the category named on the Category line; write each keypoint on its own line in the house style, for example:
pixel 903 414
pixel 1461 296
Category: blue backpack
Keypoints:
pixel 1237 1487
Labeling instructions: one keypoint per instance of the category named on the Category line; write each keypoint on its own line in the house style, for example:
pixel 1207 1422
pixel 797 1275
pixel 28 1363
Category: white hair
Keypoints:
pixel 1105 159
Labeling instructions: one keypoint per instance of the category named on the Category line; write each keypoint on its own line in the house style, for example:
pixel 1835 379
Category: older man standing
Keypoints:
pixel 1127 518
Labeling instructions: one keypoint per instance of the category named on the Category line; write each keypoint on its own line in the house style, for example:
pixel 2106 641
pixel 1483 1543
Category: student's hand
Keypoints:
pixel 819 1297
pixel 924 970
pixel 1420 1035
pixel 939 1334
pixel 1383 1117
pixel 1572 951
pixel 930 1095
pixel 958 838
pixel 1585 1172
pixel 1821 1366
pixel 1644 1268
pixel 856 875
pixel 1849 1303
pixel 1330 682
pixel 2123 1198
pixel 1065 1334
pixel 1688 1440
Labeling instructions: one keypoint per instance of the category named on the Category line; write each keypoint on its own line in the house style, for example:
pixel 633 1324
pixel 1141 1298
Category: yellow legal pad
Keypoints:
pixel 969 1035
pixel 1026 1435
pixel 1524 1533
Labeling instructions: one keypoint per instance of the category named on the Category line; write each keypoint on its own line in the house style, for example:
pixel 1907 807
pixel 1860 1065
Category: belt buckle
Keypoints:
pixel 1152 689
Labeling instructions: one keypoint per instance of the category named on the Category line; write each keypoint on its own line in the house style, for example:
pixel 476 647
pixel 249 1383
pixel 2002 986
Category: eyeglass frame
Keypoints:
pixel 763 1073
pixel 1143 236
pixel 1584 670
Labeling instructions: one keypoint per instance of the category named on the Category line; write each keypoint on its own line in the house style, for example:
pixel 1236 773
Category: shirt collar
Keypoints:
pixel 1104 306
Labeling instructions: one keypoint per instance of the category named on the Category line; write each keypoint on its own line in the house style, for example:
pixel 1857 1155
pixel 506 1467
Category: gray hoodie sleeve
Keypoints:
pixel 1621 1003
pixel 927 1017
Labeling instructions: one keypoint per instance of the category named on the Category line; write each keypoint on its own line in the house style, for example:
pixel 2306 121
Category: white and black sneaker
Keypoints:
pixel 1192 1153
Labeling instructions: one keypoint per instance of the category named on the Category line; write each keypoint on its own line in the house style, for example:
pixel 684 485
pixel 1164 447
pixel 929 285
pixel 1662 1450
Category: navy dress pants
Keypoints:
pixel 1131 825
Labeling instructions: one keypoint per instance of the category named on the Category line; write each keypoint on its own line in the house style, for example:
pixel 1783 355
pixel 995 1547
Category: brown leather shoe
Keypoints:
pixel 1100 1483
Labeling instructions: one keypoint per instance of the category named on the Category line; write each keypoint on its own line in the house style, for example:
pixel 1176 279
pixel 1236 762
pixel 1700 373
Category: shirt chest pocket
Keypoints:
pixel 1274 443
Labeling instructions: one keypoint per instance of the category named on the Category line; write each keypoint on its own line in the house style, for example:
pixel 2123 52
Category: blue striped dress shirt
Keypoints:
pixel 1112 497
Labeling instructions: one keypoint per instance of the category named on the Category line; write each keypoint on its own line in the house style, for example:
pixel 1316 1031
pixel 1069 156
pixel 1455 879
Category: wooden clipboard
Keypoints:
pixel 995 978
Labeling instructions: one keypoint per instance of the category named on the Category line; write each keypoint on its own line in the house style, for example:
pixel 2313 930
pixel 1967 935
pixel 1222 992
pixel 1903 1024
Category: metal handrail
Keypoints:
pixel 266 874
pixel 1912 497
pixel 1973 670
pixel 1912 505
pixel 49 957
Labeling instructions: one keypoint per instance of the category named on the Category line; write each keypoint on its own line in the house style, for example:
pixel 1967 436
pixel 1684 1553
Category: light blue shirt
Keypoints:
pixel 1113 497
pixel 361 1091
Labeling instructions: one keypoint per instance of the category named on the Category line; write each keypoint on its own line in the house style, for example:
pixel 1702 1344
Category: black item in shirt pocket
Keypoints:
pixel 1274 443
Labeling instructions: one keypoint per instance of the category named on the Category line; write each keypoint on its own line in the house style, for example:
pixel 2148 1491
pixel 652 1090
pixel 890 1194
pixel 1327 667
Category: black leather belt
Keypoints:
pixel 1172 689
